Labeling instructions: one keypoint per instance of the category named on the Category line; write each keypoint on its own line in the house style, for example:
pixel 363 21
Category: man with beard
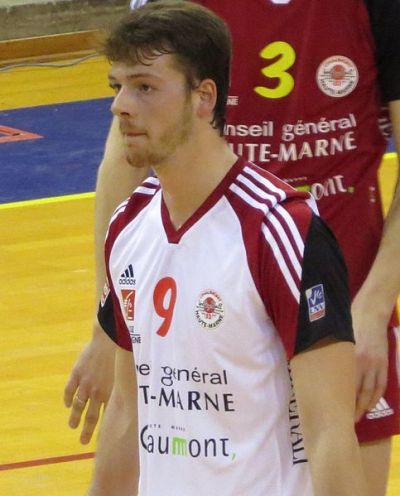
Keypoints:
pixel 219 274
pixel 306 105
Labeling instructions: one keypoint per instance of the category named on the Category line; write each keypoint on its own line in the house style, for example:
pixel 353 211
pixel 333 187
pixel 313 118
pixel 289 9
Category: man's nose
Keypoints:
pixel 123 103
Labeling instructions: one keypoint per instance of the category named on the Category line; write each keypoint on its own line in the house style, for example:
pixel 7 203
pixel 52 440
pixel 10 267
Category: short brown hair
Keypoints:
pixel 199 40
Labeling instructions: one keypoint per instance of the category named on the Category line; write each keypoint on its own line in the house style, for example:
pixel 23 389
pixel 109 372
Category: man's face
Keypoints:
pixel 154 108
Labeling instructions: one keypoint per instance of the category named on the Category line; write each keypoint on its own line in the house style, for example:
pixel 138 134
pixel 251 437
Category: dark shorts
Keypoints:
pixel 384 420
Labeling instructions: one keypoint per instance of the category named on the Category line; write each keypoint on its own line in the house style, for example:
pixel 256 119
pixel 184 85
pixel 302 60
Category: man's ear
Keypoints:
pixel 206 98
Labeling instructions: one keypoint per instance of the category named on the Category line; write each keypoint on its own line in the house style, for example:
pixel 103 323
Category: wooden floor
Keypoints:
pixel 46 302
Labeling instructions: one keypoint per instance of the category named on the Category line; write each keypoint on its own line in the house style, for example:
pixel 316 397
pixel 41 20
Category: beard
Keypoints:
pixel 158 151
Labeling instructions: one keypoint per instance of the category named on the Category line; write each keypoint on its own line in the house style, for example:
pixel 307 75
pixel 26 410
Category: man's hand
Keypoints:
pixel 371 356
pixel 90 383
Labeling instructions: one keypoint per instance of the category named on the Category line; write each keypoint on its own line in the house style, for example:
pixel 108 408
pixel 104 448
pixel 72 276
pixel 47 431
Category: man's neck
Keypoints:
pixel 192 175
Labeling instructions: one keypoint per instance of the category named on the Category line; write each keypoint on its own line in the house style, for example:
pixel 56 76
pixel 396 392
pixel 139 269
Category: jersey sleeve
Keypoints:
pixel 304 285
pixel 385 25
pixel 109 312
pixel 110 318
pixel 114 302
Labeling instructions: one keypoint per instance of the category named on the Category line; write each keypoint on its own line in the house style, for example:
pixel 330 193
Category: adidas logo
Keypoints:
pixel 127 277
pixel 382 409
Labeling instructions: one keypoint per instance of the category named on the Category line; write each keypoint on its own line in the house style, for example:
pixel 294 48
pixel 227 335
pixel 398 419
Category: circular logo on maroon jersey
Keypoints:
pixel 337 76
pixel 209 310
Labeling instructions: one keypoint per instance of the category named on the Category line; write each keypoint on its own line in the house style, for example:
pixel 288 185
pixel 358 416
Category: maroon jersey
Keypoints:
pixel 306 107
pixel 305 104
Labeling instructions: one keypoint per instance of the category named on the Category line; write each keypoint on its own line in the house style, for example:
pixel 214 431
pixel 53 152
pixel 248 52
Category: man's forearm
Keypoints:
pixel 116 470
pixel 383 282
pixel 324 384
pixel 330 461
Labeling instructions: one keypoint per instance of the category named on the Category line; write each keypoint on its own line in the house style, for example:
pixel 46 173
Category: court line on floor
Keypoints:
pixel 46 461
pixel 42 201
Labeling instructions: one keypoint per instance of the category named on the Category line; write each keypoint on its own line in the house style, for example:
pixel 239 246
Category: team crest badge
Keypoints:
pixel 209 310
pixel 337 76
pixel 316 302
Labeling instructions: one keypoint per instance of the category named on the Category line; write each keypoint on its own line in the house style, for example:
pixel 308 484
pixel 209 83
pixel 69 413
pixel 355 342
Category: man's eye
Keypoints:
pixel 116 87
pixel 145 88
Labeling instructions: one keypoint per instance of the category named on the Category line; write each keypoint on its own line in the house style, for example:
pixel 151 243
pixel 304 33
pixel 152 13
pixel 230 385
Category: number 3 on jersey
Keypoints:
pixel 277 69
pixel 164 299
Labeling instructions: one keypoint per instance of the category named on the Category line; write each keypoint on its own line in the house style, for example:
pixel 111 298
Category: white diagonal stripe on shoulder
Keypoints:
pixel 265 182
pixel 145 191
pixel 281 262
pixel 292 227
pixel 248 199
pixel 286 243
pixel 152 180
pixel 119 210
pixel 311 202
pixel 384 404
pixel 258 191
pixel 295 259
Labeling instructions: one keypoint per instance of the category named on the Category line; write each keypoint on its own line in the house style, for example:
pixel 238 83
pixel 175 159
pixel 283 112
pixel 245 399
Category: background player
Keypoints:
pixel 314 110
pixel 211 347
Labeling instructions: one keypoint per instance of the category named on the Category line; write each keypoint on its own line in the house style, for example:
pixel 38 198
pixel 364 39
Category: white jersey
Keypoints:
pixel 213 311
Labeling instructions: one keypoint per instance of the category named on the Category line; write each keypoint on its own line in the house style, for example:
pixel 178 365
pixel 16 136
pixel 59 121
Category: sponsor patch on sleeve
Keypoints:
pixel 316 302
pixel 128 300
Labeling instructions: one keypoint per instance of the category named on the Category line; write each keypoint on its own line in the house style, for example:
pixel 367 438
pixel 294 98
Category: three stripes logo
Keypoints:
pixel 127 278
pixel 382 409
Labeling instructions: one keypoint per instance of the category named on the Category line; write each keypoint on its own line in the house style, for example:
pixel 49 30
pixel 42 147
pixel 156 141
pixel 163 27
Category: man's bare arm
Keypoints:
pixel 376 299
pixel 324 383
pixel 116 470
pixel 90 380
